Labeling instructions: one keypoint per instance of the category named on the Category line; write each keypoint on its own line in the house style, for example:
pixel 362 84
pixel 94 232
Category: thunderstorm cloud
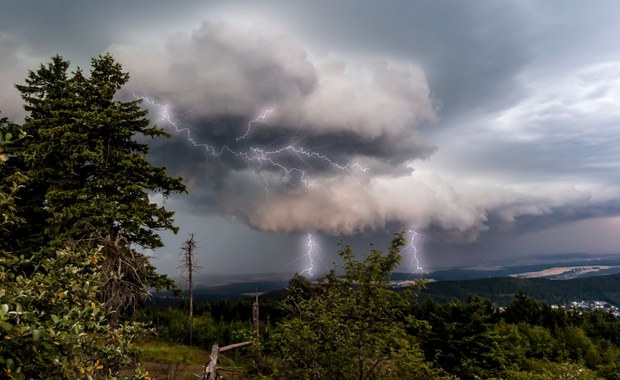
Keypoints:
pixel 492 127
pixel 363 111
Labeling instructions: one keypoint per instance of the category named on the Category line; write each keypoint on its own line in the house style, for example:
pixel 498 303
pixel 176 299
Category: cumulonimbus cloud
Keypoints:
pixel 221 71
pixel 462 209
pixel 367 111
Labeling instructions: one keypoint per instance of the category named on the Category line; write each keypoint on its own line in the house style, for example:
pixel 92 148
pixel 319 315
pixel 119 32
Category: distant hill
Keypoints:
pixel 500 290
pixel 574 264
pixel 232 291
pixel 555 279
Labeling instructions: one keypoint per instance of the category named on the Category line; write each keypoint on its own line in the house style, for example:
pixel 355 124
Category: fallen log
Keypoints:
pixel 235 345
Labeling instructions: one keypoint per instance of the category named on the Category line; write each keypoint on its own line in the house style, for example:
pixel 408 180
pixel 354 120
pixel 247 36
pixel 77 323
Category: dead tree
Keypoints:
pixel 124 274
pixel 189 268
pixel 211 368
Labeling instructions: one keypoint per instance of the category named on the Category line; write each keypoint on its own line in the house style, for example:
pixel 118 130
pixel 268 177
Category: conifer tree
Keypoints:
pixel 50 320
pixel 88 173
pixel 88 176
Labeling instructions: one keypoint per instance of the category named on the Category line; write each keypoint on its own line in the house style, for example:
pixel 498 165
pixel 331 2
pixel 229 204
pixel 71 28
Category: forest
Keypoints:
pixel 356 326
pixel 76 219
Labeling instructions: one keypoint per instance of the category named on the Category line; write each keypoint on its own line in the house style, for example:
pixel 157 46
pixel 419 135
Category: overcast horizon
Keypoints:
pixel 490 128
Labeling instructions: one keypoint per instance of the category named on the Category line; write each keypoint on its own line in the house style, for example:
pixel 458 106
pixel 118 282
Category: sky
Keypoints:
pixel 490 128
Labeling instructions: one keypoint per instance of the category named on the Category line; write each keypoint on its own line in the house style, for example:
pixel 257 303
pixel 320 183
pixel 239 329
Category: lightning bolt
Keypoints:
pixel 262 117
pixel 276 158
pixel 413 249
pixel 312 249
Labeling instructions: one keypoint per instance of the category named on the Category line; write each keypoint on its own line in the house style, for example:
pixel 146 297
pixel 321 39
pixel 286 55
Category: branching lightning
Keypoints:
pixel 413 250
pixel 258 155
pixel 261 155
pixel 262 117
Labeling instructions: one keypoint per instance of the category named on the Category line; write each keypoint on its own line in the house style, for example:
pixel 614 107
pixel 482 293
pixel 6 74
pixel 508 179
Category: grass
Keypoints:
pixel 165 360
pixel 163 352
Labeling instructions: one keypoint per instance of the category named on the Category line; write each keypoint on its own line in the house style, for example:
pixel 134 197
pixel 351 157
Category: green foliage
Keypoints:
pixel 576 346
pixel 12 181
pixel 462 338
pixel 546 370
pixel 522 341
pixel 87 173
pixel 523 309
pixel 51 324
pixel 539 342
pixel 351 326
pixel 171 325
pixel 356 326
pixel 74 185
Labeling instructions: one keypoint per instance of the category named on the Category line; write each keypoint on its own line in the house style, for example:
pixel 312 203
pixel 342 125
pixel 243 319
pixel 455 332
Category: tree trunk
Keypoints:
pixel 210 372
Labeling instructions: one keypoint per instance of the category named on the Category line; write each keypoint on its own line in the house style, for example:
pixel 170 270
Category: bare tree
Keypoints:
pixel 189 268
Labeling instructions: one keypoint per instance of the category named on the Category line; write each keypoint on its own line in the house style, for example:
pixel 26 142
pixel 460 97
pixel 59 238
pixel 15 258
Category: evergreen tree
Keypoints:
pixel 51 324
pixel 88 173
pixel 88 177
pixel 11 181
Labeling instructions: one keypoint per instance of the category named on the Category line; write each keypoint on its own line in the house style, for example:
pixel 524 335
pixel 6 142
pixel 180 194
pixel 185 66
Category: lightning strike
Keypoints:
pixel 311 251
pixel 277 158
pixel 262 117
pixel 413 249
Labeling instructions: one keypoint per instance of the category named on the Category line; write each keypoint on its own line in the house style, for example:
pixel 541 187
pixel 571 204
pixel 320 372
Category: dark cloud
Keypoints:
pixel 474 121
pixel 471 52
pixel 293 171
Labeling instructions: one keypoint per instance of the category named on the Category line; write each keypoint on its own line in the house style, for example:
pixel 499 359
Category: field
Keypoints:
pixel 165 360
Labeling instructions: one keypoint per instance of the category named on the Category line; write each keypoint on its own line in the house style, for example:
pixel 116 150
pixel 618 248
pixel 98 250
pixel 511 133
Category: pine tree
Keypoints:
pixel 88 177
pixel 11 180
pixel 53 325
pixel 88 173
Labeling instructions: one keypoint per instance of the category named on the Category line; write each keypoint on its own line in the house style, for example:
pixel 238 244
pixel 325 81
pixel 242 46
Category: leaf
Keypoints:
pixel 6 326
pixel 4 309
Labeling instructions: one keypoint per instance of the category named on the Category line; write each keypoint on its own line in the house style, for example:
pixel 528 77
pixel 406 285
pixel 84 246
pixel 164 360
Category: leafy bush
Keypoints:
pixel 351 326
pixel 51 324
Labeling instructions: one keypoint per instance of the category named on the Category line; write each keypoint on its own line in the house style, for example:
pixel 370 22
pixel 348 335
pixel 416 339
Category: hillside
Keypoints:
pixel 501 289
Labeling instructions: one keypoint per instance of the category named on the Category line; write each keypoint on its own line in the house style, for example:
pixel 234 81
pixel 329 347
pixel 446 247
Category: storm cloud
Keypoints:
pixel 491 127
pixel 366 113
